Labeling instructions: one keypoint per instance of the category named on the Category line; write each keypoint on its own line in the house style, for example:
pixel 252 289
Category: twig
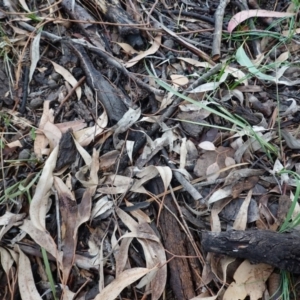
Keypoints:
pixel 70 94
pixel 219 16
pixel 49 36
pixel 25 90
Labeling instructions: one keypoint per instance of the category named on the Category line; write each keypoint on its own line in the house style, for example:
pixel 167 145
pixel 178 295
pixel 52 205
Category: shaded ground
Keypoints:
pixel 136 137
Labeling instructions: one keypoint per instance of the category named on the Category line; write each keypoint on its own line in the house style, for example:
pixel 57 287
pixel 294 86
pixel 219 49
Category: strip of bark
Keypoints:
pixel 109 96
pixel 114 12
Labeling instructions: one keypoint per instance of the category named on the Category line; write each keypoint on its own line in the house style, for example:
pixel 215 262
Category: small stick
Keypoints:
pixel 186 185
pixel 219 15
pixel 25 90
pixel 80 81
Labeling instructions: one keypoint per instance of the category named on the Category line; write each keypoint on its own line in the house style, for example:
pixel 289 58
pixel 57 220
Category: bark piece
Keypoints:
pixel 109 95
pixel 176 241
pixel 280 250
pixel 116 14
pixel 88 29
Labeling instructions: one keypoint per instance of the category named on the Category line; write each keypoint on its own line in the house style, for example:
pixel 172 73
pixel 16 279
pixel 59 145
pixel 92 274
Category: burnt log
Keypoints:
pixel 281 250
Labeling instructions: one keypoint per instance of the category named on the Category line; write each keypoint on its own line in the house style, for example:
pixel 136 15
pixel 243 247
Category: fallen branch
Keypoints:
pixel 280 250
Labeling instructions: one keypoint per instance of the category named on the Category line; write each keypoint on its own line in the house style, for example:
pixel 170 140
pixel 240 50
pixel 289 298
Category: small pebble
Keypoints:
pixel 55 76
pixel 52 83
pixel 36 103
pixel 169 43
pixel 24 154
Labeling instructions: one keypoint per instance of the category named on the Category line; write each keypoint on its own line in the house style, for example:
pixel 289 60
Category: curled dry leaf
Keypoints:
pixel 68 77
pixel 41 142
pixel 42 238
pixel 249 280
pixel 179 80
pixel 246 14
pixel 85 136
pixel 72 216
pixel 38 205
pixel 101 207
pixel 34 53
pixel 209 146
pixel 153 250
pixel 212 171
pixel 28 290
pixel 155 46
pixel 130 117
pixel 8 220
pixel 6 261
pixel 126 278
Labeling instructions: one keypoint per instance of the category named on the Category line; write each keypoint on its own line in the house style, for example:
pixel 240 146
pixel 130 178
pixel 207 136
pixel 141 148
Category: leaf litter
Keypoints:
pixel 130 134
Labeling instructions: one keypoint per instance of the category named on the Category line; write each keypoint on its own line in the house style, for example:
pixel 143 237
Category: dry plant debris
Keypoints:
pixel 149 149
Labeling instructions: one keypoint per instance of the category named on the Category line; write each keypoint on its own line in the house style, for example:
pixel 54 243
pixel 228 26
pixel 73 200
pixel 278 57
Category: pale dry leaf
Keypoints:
pixel 153 250
pixel 6 261
pixel 179 80
pixel 220 194
pixel 101 207
pixel 209 146
pixel 126 278
pixel 68 77
pixel 229 161
pixel 216 209
pixel 128 49
pixel 34 53
pixel 75 125
pixel 68 295
pixel 290 140
pixel 52 133
pixel 14 144
pixel 195 62
pixel 84 154
pixel 212 171
pixel 41 142
pixel 241 219
pixel 246 14
pixel 282 57
pixel 122 256
pixel 165 174
pixel 27 288
pixel 85 136
pixel 8 220
pixel 129 149
pixel 38 205
pixel 42 238
pixel 155 46
pixel 129 118
pixel 183 153
pixel 249 280
pixel 138 213
pixel 116 184
pixel 24 6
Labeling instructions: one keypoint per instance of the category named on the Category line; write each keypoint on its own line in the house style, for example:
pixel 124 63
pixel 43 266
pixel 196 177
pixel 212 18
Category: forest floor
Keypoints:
pixel 149 149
